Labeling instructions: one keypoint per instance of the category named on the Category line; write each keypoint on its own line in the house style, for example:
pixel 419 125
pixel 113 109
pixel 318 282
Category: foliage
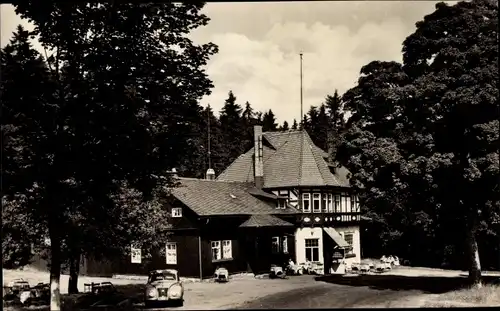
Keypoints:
pixel 269 122
pixel 422 141
pixel 105 114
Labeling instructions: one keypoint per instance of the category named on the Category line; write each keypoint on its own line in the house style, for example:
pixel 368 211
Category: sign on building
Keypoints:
pixel 136 255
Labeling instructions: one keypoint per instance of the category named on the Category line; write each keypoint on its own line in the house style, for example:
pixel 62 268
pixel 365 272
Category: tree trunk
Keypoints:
pixel 474 262
pixel 74 271
pixel 55 272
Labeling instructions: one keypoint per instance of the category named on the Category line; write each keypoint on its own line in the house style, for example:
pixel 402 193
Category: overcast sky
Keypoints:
pixel 259 46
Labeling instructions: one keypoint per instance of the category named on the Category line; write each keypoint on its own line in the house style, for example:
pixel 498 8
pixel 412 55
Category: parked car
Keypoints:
pixel 221 275
pixel 164 286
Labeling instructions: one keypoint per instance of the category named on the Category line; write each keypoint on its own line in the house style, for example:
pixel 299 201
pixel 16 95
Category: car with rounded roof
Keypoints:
pixel 164 287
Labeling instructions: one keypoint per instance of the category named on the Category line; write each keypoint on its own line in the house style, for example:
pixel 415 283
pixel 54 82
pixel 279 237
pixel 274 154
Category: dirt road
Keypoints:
pixel 324 295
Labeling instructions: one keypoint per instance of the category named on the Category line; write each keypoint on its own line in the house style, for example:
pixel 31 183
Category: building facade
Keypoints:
pixel 280 200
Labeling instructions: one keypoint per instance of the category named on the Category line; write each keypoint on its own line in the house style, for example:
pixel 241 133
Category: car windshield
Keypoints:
pixel 162 277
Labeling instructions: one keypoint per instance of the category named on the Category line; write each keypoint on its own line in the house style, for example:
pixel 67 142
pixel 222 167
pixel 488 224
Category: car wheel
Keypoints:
pixel 178 303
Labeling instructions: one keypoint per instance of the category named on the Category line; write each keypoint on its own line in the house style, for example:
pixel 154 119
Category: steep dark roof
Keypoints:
pixel 211 197
pixel 294 160
pixel 258 221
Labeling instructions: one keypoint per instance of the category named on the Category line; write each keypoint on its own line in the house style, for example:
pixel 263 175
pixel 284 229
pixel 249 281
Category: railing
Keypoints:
pixel 322 218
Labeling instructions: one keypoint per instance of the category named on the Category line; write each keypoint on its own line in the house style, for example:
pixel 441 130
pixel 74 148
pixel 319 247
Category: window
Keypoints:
pixel 324 202
pixel 349 238
pixel 285 245
pixel 276 244
pixel 221 250
pixel 354 204
pixel 330 203
pixel 135 254
pixel 344 204
pixel 347 199
pixel 176 212
pixel 312 249
pixel 281 204
pixel 306 202
pixel 216 253
pixel 227 249
pixel 171 253
pixel 316 202
pixel 337 204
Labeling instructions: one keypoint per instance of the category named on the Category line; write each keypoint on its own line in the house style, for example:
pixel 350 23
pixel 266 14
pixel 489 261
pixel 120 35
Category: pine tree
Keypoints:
pixel 249 120
pixel 285 126
pixel 336 122
pixel 321 129
pixel 269 122
pixel 233 130
pixel 295 125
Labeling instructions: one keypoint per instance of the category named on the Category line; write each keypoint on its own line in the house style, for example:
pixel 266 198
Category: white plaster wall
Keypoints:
pixel 301 234
pixel 355 241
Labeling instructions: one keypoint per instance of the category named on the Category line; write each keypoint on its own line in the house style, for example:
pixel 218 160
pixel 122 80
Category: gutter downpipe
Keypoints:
pixel 199 257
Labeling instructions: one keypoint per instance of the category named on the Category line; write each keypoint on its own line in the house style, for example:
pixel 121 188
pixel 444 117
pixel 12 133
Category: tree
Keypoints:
pixel 285 126
pixel 334 110
pixel 232 128
pixel 336 121
pixel 269 121
pixel 295 125
pixel 422 141
pixel 125 77
pixel 249 121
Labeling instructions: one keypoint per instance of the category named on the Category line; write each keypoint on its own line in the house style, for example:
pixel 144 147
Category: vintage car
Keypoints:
pixel 221 275
pixel 164 286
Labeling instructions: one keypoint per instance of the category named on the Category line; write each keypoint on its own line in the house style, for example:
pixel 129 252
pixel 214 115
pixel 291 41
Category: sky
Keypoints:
pixel 259 45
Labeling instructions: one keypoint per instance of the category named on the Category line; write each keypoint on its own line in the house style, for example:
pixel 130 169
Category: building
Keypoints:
pixel 280 200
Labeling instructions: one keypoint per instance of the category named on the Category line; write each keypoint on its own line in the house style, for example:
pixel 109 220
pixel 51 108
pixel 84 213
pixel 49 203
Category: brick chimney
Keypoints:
pixel 210 174
pixel 258 157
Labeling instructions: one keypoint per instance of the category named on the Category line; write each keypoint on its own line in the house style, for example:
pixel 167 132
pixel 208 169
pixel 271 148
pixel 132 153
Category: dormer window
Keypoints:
pixel 281 204
pixel 177 212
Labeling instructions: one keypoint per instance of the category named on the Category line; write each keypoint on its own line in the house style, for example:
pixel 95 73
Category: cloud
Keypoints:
pixel 266 72
pixel 259 45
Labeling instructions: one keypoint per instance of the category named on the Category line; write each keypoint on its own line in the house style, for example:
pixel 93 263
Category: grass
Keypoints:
pixel 485 296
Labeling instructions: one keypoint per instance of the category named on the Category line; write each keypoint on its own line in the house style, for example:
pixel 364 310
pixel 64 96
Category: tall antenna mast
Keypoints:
pixel 301 94
pixel 208 118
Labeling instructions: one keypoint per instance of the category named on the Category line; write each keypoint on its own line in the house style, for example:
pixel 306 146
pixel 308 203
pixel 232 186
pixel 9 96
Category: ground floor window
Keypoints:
pixel 312 249
pixel 275 244
pixel 285 245
pixel 171 253
pixel 279 244
pixel 349 238
pixel 221 250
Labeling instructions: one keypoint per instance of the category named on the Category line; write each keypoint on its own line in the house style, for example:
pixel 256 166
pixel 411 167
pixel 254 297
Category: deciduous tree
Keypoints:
pixel 423 138
pixel 125 79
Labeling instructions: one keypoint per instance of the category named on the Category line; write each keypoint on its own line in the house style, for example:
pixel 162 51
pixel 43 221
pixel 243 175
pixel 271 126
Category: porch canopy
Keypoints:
pixel 264 220
pixel 336 237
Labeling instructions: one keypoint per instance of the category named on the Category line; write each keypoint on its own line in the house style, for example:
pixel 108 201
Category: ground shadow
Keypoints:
pixel 428 284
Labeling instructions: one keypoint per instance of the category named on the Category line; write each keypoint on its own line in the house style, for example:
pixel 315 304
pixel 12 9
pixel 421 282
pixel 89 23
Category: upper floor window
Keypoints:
pixel 324 202
pixel 306 202
pixel 354 204
pixel 346 203
pixel 316 202
pixel 176 212
pixel 330 203
pixel 281 204
pixel 337 204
